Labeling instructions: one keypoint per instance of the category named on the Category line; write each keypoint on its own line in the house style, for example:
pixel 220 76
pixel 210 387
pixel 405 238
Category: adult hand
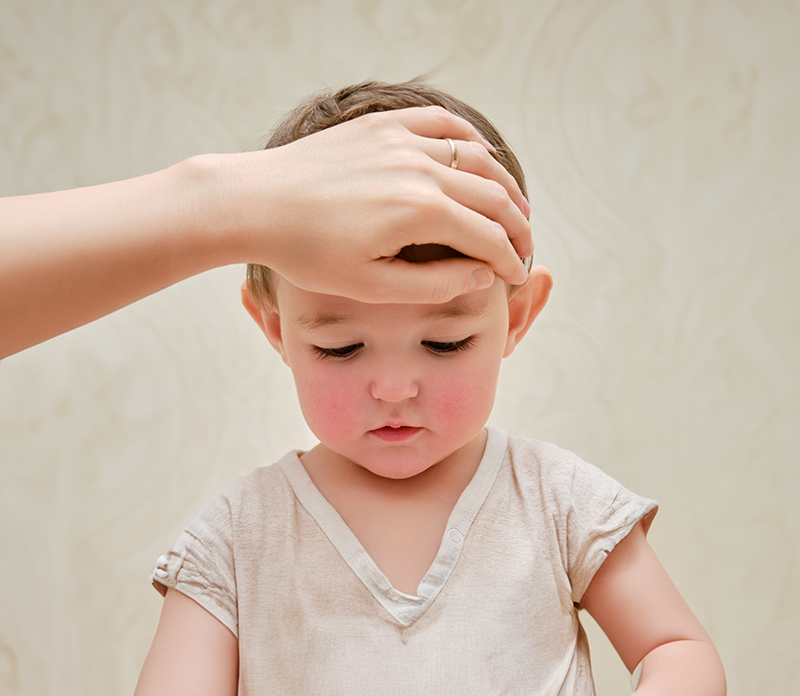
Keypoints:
pixel 348 199
pixel 330 212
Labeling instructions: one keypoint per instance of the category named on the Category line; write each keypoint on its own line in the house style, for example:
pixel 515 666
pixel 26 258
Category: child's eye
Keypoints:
pixel 452 347
pixel 343 352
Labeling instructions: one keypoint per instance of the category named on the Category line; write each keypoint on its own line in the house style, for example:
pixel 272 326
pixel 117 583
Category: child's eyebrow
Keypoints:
pixel 325 319
pixel 456 310
pixel 451 310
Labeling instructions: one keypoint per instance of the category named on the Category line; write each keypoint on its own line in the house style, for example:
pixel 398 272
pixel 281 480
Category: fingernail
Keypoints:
pixel 479 280
pixel 526 208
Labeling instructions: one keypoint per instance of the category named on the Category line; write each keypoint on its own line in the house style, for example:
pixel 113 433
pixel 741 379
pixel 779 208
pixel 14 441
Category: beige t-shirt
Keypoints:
pixel 495 614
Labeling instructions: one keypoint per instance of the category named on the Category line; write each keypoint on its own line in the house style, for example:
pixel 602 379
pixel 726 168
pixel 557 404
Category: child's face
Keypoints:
pixel 394 388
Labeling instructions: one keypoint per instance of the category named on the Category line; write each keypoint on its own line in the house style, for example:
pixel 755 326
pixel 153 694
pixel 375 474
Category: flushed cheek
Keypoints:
pixel 329 405
pixel 460 403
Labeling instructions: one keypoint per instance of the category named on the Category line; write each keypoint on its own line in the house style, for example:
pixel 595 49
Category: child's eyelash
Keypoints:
pixel 436 347
pixel 450 347
pixel 343 352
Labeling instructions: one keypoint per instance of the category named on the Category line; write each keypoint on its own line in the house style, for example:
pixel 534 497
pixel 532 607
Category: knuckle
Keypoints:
pixel 444 119
pixel 475 151
pixel 438 112
pixel 393 139
pixel 374 120
pixel 408 158
pixel 498 196
pixel 420 208
pixel 418 162
pixel 426 199
pixel 498 237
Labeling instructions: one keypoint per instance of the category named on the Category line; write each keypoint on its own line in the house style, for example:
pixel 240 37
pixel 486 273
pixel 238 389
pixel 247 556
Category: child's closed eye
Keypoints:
pixel 343 352
pixel 436 347
pixel 441 348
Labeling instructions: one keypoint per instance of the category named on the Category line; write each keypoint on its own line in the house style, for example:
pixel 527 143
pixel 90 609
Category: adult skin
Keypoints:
pixel 329 212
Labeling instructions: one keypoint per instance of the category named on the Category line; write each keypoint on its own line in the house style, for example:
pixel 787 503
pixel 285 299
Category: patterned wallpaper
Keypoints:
pixel 662 146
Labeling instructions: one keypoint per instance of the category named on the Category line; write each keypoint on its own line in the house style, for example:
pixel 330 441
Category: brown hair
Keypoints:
pixel 332 107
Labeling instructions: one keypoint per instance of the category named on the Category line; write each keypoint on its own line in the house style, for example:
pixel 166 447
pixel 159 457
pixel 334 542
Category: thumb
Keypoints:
pixel 431 282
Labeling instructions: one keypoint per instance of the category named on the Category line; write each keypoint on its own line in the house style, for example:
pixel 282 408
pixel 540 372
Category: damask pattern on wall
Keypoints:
pixel 662 148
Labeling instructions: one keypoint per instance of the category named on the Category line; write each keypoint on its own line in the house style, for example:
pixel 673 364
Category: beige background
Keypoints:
pixel 662 145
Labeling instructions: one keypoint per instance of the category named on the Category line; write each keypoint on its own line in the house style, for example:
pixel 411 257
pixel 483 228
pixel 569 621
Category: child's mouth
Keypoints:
pixel 398 434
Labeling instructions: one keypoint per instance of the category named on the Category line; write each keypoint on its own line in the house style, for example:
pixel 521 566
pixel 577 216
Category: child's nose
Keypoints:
pixel 393 385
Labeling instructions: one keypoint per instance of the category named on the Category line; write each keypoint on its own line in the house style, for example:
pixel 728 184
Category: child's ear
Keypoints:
pixel 267 318
pixel 525 303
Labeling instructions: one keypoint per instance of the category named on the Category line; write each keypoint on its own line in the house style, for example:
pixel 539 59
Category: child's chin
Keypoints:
pixel 395 472
pixel 397 468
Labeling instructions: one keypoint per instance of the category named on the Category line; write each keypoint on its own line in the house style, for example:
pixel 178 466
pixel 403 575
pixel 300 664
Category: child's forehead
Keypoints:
pixel 311 310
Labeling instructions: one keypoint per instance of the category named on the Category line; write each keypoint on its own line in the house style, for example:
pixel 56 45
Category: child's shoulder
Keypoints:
pixel 540 463
pixel 263 488
pixel 557 480
pixel 535 454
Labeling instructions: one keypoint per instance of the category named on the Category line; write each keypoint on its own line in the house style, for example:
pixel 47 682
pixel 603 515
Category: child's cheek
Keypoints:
pixel 328 404
pixel 466 398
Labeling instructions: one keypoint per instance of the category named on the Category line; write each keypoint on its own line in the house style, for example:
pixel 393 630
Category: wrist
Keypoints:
pixel 211 219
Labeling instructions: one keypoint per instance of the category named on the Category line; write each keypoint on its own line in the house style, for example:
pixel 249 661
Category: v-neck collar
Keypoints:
pixel 403 607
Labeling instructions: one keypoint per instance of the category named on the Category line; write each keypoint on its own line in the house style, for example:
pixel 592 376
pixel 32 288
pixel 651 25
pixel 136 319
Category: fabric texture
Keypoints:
pixel 497 613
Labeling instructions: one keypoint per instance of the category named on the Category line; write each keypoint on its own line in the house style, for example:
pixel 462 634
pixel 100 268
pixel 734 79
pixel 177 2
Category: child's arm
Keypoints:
pixel 647 620
pixel 192 654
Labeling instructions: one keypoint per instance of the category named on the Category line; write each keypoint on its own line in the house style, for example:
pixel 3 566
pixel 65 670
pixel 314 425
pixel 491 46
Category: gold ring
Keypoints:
pixel 453 154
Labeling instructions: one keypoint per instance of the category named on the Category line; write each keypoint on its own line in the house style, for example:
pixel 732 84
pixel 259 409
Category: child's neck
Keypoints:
pixel 399 522
pixel 335 475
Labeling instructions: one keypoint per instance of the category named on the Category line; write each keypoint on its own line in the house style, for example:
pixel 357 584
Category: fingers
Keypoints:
pixel 475 159
pixel 490 200
pixel 474 231
pixel 439 219
pixel 493 193
pixel 480 183
pixel 438 123
pixel 438 126
pixel 471 214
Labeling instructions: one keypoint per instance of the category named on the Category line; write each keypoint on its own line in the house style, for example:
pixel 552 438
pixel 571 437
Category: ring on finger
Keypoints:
pixel 453 153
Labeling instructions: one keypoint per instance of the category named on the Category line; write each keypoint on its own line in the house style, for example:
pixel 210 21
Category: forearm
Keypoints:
pixel 329 212
pixel 682 668
pixel 70 257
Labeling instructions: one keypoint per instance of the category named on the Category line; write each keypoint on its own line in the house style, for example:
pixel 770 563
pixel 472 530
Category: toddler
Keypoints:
pixel 413 550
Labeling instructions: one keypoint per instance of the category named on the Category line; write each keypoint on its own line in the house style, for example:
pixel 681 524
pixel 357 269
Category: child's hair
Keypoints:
pixel 332 107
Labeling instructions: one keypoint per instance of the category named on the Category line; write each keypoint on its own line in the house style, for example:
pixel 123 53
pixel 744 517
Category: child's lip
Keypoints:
pixel 395 433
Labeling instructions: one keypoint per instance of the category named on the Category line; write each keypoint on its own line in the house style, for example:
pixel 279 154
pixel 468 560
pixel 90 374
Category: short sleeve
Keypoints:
pixel 604 514
pixel 200 563
pixel 593 513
